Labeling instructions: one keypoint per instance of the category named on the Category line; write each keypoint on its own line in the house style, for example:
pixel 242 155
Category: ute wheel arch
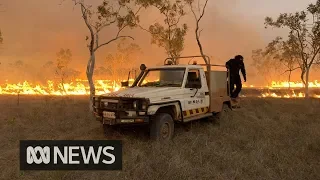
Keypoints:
pixel 172 108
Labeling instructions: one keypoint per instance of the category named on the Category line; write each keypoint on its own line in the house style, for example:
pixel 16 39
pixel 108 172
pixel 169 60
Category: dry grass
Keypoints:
pixel 266 139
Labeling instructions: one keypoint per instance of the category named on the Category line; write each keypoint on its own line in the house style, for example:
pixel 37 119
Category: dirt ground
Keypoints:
pixel 265 139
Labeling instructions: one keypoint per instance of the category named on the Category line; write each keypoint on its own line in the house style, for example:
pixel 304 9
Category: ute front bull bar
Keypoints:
pixel 120 110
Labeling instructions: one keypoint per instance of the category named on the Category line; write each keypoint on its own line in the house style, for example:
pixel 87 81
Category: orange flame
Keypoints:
pixel 285 84
pixel 81 87
pixel 294 95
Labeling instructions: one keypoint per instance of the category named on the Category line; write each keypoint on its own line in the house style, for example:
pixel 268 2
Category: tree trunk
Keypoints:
pixel 290 79
pixel 90 69
pixel 307 83
pixel 302 77
pixel 63 88
pixel 200 46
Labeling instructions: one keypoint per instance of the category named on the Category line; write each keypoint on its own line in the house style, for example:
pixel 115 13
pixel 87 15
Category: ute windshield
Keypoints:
pixel 171 77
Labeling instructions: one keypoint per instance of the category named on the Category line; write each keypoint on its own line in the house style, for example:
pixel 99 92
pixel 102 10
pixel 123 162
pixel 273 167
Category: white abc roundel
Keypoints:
pixel 32 155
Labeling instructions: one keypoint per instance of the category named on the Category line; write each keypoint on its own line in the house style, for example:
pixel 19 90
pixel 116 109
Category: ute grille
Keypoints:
pixel 122 104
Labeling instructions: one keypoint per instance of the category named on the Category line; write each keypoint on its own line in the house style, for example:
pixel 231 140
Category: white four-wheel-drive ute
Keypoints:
pixel 164 95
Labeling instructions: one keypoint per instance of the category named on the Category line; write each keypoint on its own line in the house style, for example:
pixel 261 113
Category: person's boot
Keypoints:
pixel 235 102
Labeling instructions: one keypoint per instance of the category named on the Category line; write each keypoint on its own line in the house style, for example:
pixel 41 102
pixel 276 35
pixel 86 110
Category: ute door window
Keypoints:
pixel 193 79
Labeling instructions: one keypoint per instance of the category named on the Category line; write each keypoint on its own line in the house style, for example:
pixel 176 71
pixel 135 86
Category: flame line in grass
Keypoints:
pixel 81 87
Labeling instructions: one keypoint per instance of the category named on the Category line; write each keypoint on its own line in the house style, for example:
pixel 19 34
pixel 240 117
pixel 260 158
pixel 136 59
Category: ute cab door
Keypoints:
pixel 196 98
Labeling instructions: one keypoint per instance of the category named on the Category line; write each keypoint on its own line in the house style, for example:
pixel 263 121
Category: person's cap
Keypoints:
pixel 239 57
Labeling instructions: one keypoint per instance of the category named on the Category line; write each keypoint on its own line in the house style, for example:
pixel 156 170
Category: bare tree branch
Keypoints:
pixel 118 33
pixel 197 27
pixel 290 70
pixel 84 11
pixel 200 32
pixel 118 37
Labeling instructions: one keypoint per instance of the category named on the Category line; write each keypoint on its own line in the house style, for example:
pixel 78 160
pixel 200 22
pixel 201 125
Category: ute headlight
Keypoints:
pixel 105 104
pixel 144 105
pixel 135 104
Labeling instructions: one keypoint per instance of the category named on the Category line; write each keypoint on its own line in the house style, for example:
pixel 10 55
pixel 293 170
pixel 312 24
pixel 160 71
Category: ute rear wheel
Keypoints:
pixel 218 116
pixel 162 127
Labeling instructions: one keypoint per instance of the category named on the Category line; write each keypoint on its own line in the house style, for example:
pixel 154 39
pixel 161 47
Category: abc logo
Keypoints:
pixel 44 155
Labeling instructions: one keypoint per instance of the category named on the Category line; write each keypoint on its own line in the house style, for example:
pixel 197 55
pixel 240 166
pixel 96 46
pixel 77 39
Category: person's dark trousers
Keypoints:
pixel 235 80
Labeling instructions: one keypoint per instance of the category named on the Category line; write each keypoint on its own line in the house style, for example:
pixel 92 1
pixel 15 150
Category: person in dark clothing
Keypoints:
pixel 234 66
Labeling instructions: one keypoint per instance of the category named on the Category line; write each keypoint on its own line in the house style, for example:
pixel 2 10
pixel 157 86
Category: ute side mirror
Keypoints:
pixel 125 84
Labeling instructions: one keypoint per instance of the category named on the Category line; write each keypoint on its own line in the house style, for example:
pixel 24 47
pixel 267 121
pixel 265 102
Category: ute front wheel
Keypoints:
pixel 162 127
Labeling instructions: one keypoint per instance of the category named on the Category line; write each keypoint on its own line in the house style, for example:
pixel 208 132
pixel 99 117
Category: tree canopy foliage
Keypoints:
pixel 300 49
pixel 170 34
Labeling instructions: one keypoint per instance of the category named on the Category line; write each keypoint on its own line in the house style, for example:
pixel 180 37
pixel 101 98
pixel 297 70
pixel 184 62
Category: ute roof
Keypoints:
pixel 175 66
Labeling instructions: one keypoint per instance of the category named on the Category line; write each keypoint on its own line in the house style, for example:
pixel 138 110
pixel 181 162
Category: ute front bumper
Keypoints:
pixel 118 113
pixel 125 121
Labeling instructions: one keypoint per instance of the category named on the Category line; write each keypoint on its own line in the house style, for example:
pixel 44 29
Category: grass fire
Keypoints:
pixel 80 87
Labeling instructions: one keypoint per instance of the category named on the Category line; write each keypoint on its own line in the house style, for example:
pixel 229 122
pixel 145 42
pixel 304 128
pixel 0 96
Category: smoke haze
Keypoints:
pixel 35 30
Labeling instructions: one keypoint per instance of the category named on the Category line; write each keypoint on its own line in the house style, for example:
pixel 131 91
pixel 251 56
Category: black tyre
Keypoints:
pixel 218 116
pixel 162 127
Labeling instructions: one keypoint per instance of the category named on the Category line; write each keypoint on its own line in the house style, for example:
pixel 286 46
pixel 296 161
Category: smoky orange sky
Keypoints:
pixel 34 30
